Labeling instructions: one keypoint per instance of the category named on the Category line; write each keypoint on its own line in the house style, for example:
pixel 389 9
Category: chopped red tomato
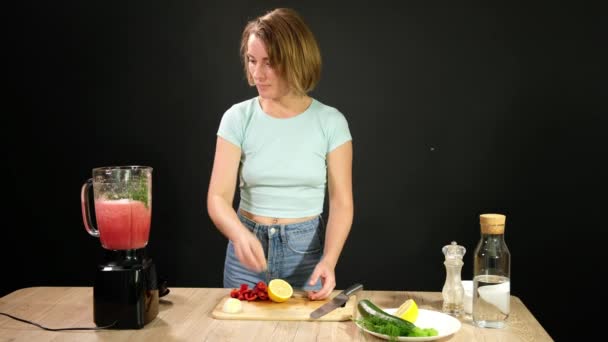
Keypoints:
pixel 250 296
pixel 259 291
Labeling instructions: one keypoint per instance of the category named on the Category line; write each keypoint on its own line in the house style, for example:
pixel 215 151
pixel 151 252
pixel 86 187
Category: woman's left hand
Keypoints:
pixel 328 278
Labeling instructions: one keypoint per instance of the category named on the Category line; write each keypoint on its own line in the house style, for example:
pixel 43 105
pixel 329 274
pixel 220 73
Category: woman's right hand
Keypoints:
pixel 249 251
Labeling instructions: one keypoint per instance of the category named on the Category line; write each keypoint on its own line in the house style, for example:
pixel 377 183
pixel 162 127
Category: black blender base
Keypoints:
pixel 125 296
pixel 118 299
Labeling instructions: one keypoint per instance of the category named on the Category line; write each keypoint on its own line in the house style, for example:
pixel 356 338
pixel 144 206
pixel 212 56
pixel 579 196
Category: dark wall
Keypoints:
pixel 455 111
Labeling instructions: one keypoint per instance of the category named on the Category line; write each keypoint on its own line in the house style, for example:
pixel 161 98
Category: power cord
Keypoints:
pixel 56 329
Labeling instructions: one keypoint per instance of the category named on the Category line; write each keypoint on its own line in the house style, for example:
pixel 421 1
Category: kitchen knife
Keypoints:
pixel 336 302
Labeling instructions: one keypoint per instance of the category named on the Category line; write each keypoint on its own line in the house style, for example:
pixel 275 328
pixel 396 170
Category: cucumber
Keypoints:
pixel 368 309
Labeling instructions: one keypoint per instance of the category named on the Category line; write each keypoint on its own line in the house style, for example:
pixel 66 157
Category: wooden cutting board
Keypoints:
pixel 296 308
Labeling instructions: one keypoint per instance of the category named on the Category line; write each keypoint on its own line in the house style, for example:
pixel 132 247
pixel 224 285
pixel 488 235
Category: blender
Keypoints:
pixel 126 291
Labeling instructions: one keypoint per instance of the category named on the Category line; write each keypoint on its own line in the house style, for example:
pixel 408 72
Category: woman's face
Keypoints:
pixel 266 77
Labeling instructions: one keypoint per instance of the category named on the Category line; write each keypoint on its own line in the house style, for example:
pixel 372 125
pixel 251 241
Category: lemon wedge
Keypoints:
pixel 232 305
pixel 279 290
pixel 408 311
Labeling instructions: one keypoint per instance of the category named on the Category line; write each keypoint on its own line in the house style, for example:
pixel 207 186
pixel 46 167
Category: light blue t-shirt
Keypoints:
pixel 283 170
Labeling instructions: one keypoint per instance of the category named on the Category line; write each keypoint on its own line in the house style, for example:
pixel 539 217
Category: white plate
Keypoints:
pixel 444 324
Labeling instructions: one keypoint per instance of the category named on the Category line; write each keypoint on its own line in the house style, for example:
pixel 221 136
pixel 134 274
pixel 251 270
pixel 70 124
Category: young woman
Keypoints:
pixel 286 149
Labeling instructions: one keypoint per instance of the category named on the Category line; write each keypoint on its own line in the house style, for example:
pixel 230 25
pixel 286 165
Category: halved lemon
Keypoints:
pixel 279 290
pixel 408 311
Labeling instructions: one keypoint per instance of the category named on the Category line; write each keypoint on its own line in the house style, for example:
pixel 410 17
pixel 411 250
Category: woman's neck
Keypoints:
pixel 286 106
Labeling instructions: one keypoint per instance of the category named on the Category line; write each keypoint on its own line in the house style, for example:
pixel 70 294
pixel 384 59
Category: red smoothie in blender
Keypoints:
pixel 123 224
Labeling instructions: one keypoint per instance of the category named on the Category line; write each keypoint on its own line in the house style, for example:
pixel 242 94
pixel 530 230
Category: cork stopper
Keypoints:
pixel 492 223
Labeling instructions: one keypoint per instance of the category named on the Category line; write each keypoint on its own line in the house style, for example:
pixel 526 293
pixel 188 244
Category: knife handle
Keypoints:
pixel 352 289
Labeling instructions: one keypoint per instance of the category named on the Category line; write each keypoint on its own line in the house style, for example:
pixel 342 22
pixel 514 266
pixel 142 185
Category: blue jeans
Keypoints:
pixel 292 252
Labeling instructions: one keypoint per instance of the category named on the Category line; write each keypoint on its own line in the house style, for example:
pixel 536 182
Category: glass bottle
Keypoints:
pixel 453 292
pixel 491 274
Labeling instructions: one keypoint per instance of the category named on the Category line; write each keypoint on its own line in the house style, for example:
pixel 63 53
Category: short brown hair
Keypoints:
pixel 291 48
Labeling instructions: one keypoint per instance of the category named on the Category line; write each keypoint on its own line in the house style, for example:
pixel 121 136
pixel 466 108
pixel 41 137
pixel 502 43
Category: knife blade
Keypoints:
pixel 336 302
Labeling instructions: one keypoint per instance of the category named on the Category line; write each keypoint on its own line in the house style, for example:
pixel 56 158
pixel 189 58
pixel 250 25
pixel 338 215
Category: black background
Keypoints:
pixel 454 110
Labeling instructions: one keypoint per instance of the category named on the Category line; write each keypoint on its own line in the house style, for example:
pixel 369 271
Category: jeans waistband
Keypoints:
pixel 252 224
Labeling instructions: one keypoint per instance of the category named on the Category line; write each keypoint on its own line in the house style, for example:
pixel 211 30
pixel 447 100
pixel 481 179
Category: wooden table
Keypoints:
pixel 185 316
